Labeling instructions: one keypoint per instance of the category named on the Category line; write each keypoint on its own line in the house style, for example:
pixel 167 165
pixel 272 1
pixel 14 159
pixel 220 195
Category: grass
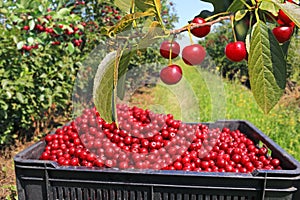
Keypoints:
pixel 204 97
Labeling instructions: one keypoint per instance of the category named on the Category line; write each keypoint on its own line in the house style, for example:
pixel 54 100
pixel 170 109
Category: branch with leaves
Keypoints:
pixel 251 24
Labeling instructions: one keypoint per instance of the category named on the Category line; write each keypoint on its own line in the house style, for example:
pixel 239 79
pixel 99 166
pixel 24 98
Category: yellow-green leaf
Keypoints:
pixel 151 6
pixel 267 67
pixel 103 87
pixel 154 33
pixel 124 5
pixel 104 83
pixel 239 15
pixel 126 21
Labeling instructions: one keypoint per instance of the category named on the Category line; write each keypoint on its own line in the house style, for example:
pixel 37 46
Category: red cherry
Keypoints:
pixel 171 74
pixel 193 54
pixel 165 49
pixel 201 31
pixel 283 17
pixel 236 51
pixel 275 162
pixel 26 28
pixel 283 33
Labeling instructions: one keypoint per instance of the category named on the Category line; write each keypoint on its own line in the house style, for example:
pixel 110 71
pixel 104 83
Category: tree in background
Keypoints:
pixel 43 45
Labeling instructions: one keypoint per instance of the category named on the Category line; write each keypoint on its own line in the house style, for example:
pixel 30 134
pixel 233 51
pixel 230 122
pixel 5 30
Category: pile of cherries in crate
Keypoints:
pixel 142 139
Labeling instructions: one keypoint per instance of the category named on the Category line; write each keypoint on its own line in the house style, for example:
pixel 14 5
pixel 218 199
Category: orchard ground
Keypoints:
pixel 282 124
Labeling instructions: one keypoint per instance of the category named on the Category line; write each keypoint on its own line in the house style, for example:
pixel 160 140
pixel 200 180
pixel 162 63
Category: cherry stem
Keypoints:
pixel 192 26
pixel 216 15
pixel 190 34
pixel 232 26
pixel 171 51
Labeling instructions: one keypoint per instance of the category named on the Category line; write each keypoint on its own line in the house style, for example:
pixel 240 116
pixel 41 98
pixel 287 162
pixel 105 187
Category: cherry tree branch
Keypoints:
pixel 195 25
pixel 190 26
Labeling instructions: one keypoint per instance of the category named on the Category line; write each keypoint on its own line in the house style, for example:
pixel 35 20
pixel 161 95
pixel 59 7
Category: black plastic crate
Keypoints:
pixel 37 179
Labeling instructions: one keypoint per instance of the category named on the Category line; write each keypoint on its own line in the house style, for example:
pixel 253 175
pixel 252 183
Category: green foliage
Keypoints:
pixel 216 61
pixel 267 67
pixel 43 46
pixel 137 42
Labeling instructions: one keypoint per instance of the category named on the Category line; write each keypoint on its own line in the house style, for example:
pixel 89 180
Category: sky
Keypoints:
pixel 187 9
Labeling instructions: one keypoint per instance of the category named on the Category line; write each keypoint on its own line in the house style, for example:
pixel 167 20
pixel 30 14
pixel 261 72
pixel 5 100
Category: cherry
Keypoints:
pixel 171 74
pixel 283 17
pixel 283 33
pixel 236 51
pixel 193 54
pixel 26 28
pixel 201 31
pixel 165 149
pixel 165 49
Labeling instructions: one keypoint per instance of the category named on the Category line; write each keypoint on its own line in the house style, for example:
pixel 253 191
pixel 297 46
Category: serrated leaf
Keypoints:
pixel 291 10
pixel 239 15
pixel 71 48
pixel 124 5
pixel 235 6
pixel 267 67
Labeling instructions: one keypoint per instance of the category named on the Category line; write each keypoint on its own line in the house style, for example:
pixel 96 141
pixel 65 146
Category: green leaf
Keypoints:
pixel 123 66
pixel 30 40
pixel 103 87
pixel 63 12
pixel 267 67
pixel 270 7
pixel 41 8
pixel 239 15
pixel 104 83
pixel 291 10
pixel 126 21
pixel 3 11
pixel 20 97
pixel 235 6
pixel 219 6
pixel 31 24
pixel 71 48
pixel 124 5
pixel 58 30
pixel 154 33
pixel 151 6
pixel 20 45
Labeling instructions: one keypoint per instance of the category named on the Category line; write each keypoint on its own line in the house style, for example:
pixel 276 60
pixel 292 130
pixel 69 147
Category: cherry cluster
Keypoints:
pixel 236 51
pixel 58 33
pixel 193 54
pixel 146 140
pixel 285 28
